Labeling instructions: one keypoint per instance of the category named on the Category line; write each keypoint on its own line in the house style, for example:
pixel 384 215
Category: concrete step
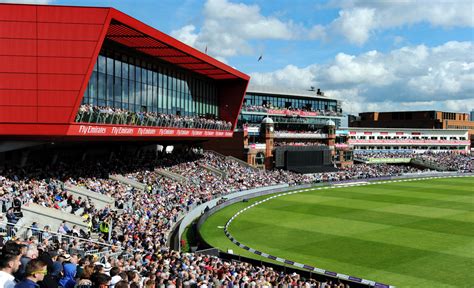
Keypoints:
pixel 128 181
pixel 49 216
pixel 99 200
pixel 171 175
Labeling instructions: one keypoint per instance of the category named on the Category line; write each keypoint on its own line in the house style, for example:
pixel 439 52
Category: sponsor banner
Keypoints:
pixel 408 141
pixel 355 279
pixel 389 160
pixel 289 112
pixel 253 129
pixel 258 146
pixel 342 132
pixel 308 267
pixel 102 130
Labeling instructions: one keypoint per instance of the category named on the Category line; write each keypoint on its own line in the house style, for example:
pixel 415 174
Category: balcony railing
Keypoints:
pixel 408 142
pixel 108 115
pixel 297 135
pixel 289 112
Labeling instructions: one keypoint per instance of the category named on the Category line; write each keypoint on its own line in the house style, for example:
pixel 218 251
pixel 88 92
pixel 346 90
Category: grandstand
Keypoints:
pixel 275 121
pixel 103 159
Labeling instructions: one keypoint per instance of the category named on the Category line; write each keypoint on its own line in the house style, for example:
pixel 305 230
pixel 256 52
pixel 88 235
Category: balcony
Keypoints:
pixel 288 112
pixel 296 135
pixel 408 142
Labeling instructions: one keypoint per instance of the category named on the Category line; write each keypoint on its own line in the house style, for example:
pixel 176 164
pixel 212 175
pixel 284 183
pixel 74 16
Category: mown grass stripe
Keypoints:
pixel 411 271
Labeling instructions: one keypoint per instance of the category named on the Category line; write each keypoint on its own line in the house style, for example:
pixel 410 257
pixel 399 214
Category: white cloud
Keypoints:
pixel 355 24
pixel 358 19
pixel 187 34
pixel 291 76
pixel 228 27
pixel 409 78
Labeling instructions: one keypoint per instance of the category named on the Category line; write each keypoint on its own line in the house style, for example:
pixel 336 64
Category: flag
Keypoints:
pixel 205 50
pixel 260 58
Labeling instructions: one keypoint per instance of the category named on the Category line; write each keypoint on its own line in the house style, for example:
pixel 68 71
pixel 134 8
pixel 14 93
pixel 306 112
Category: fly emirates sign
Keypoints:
pixel 100 130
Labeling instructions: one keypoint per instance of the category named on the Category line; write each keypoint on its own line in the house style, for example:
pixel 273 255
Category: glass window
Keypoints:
pixel 93 89
pixel 110 91
pixel 131 72
pixel 110 66
pixel 118 68
pixel 117 92
pixel 101 63
pixel 101 84
pixel 138 74
pixel 125 94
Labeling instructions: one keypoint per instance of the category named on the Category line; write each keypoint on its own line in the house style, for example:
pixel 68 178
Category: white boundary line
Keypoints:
pixel 307 267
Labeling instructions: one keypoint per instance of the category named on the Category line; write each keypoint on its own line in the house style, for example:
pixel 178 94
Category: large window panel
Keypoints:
pixel 118 83
pixel 101 63
pixel 110 66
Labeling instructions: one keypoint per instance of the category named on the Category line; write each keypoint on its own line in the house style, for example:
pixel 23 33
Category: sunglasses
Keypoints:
pixel 44 272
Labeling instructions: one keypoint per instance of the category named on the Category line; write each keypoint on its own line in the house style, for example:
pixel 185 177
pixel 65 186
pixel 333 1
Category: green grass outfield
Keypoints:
pixel 407 234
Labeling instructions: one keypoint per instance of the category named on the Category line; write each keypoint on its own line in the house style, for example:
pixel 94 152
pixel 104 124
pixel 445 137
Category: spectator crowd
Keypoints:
pixel 140 222
pixel 450 160
pixel 25 264
pixel 269 108
pixel 110 115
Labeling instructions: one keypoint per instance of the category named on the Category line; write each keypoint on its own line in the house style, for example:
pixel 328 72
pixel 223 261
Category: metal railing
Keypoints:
pixel 104 116
pixel 23 232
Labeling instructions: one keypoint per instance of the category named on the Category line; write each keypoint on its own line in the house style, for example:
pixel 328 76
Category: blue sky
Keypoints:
pixel 373 55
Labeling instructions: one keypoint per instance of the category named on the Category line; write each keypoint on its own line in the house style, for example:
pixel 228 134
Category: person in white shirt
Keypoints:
pixel 9 264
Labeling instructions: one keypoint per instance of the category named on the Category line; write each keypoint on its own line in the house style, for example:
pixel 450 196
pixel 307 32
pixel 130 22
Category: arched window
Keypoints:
pixel 260 158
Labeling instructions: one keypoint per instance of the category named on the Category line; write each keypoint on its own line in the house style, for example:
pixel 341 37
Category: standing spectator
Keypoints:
pixel 30 254
pixel 70 269
pixel 84 279
pixel 51 280
pixel 35 272
pixel 9 264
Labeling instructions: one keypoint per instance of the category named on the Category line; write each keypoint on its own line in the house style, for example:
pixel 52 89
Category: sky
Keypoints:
pixel 388 55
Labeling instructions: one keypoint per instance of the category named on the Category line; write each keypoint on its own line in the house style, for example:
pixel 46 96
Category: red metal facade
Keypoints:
pixel 47 54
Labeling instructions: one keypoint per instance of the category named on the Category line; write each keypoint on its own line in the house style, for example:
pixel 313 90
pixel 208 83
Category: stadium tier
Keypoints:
pixel 83 72
pixel 276 119
pixel 407 140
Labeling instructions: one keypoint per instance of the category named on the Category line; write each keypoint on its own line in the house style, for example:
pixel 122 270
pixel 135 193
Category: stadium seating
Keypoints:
pixel 144 213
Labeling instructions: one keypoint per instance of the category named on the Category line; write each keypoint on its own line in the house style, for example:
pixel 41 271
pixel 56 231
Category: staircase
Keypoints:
pixel 171 175
pixel 49 216
pixel 99 200
pixel 215 171
pixel 128 181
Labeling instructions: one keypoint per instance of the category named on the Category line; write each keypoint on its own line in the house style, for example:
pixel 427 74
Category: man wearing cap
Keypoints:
pixel 35 271
pixel 9 264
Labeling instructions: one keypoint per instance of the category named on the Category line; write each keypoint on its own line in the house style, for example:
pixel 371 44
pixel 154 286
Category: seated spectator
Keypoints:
pixel 11 216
